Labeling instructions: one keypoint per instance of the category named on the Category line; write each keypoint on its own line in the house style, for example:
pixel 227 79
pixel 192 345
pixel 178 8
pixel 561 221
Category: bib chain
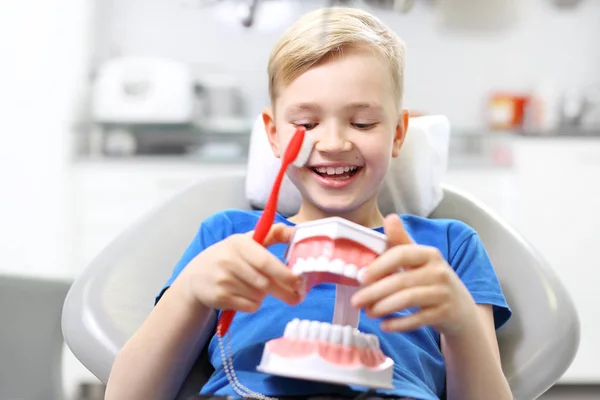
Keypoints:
pixel 237 386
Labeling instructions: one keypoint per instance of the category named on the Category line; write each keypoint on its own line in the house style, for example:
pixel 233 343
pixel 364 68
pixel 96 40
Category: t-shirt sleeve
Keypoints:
pixel 211 231
pixel 474 267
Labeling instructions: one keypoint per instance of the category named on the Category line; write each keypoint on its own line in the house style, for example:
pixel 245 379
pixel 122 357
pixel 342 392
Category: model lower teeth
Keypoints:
pixel 337 344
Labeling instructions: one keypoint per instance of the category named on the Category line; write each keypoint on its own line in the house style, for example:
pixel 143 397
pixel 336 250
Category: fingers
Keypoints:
pixel 238 286
pixel 279 233
pixel 397 282
pixel 421 297
pixel 395 231
pixel 406 256
pixel 256 293
pixel 237 274
pixel 235 294
pixel 252 278
pixel 229 293
pixel 265 263
pixel 263 270
pixel 287 294
pixel 253 285
pixel 242 304
pixel 387 263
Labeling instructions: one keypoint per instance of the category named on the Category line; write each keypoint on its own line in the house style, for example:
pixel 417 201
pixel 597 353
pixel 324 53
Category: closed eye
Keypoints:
pixel 307 126
pixel 364 127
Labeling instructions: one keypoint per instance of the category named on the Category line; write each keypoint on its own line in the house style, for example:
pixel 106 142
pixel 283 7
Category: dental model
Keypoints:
pixel 331 250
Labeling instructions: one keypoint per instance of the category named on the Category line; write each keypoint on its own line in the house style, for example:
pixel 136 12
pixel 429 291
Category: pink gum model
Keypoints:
pixel 331 250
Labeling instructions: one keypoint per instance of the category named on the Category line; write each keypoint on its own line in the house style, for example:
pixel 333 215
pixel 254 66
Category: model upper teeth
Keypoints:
pixel 323 264
pixel 326 332
pixel 335 170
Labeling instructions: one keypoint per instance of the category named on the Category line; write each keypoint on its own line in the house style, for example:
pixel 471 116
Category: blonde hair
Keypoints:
pixel 323 32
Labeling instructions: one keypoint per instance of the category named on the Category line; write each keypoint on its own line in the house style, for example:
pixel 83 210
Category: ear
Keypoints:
pixel 271 131
pixel 400 134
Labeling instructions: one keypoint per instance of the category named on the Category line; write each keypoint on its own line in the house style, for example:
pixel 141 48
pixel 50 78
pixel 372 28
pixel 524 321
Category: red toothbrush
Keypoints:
pixel 297 153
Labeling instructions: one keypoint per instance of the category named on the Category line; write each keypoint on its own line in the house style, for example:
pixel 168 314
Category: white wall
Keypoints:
pixel 448 72
pixel 44 58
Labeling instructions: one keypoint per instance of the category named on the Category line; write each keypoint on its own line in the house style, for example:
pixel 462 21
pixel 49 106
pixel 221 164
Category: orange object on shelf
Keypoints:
pixel 507 111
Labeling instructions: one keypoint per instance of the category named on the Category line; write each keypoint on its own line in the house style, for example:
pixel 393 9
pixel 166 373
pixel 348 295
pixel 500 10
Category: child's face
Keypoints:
pixel 347 105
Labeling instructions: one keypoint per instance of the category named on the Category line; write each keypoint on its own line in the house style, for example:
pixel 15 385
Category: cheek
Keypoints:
pixel 378 157
pixel 283 134
pixel 295 174
pixel 377 152
pixel 300 178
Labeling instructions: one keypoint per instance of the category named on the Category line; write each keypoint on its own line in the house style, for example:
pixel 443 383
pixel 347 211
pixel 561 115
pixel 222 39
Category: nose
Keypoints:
pixel 332 139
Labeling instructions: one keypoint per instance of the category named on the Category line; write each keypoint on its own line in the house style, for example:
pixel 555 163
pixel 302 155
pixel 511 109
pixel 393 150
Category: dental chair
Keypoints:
pixel 115 293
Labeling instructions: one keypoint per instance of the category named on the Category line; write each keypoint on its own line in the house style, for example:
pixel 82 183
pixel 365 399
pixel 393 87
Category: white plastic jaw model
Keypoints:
pixel 331 250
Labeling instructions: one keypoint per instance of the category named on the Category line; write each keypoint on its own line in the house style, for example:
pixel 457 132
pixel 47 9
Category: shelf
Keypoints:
pixel 160 159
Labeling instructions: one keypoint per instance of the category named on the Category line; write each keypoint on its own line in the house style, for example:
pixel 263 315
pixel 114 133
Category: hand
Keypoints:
pixel 237 273
pixel 408 275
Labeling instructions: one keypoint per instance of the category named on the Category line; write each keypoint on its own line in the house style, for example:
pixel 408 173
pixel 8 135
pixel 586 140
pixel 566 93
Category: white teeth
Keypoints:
pixel 336 266
pixel 350 270
pixel 360 275
pixel 335 170
pixel 313 330
pixel 325 332
pixel 347 336
pixel 335 334
pixel 303 329
pixel 297 267
pixel 291 329
pixel 361 341
pixel 322 264
pixel 372 341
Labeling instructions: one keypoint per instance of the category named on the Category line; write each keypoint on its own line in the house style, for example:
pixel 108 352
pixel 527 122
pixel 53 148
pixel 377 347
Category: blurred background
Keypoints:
pixel 110 107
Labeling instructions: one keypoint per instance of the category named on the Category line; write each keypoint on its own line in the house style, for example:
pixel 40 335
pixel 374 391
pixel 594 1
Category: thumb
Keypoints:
pixel 395 231
pixel 279 233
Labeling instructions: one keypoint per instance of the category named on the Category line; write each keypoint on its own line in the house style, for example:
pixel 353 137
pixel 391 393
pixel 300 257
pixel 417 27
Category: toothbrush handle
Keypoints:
pixel 260 234
pixel 267 217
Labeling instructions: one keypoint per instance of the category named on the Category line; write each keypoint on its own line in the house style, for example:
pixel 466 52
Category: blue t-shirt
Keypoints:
pixel 419 370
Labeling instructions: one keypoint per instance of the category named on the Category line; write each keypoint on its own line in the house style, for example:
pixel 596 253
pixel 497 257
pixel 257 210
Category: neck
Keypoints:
pixel 367 214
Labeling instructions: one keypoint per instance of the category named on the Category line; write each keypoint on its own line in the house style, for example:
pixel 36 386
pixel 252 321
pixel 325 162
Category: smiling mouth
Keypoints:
pixel 340 173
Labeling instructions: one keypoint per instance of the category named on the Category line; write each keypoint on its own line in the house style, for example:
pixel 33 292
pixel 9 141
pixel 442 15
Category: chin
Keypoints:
pixel 336 205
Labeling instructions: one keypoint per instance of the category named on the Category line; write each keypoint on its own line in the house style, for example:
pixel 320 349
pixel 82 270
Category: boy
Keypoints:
pixel 339 73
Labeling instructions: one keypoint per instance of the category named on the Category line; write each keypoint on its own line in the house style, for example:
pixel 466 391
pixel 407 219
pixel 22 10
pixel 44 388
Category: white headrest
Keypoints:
pixel 412 185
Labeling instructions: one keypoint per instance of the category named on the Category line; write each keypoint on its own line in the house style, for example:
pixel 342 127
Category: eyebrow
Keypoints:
pixel 303 106
pixel 364 105
pixel 308 106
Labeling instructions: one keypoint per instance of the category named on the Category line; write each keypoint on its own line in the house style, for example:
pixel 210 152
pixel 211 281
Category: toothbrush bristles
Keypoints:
pixel 305 151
